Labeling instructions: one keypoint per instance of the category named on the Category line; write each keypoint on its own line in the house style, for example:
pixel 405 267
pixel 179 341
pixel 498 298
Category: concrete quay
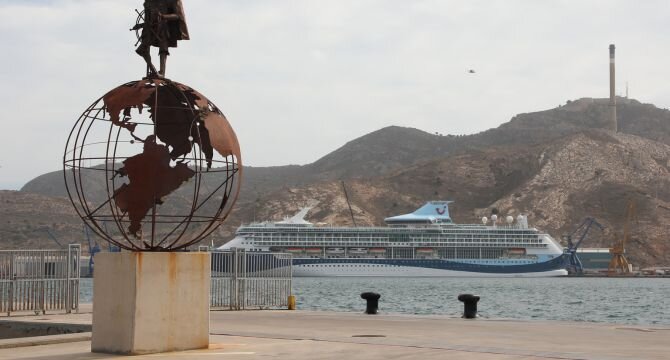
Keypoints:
pixel 299 335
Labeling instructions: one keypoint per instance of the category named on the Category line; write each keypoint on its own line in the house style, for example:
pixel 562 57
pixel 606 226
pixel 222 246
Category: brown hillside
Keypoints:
pixel 25 218
pixel 556 185
pixel 556 165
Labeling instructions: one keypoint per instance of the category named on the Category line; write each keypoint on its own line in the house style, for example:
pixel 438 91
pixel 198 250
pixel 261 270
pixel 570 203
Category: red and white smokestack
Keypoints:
pixel 612 104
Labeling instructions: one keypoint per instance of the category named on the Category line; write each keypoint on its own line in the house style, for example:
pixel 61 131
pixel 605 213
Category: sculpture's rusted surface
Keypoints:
pixel 168 159
pixel 221 134
pixel 177 119
pixel 124 98
pixel 150 179
pixel 171 163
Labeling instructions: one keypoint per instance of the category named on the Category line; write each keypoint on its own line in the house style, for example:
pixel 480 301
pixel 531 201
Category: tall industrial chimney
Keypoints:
pixel 612 93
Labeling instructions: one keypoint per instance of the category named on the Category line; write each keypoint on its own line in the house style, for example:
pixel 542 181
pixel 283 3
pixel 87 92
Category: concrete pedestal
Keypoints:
pixel 146 302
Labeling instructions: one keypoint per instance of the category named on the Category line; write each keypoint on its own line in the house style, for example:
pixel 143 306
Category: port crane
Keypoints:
pixel 53 237
pixel 619 265
pixel 92 250
pixel 572 262
pixel 346 196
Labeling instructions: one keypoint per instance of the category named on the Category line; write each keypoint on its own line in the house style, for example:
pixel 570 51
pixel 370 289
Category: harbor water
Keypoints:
pixel 640 301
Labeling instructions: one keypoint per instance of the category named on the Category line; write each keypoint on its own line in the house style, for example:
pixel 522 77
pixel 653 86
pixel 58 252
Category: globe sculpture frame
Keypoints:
pixel 172 173
pixel 152 167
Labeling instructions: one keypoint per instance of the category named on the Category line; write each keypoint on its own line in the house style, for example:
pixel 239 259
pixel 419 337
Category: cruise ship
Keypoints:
pixel 424 243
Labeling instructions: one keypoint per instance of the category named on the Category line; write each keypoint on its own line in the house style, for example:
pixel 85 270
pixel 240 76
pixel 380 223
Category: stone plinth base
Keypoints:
pixel 147 302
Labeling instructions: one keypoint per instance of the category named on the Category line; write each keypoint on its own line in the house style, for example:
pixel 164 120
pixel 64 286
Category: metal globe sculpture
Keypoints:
pixel 152 165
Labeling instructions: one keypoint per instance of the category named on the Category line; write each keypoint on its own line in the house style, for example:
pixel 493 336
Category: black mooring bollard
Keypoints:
pixel 372 302
pixel 469 305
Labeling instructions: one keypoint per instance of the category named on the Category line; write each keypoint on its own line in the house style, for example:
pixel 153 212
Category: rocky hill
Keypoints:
pixel 394 147
pixel 557 165
pixel 27 218
pixel 557 185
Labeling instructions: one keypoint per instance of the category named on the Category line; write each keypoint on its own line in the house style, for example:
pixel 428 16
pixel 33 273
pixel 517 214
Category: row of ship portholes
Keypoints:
pixel 516 262
pixel 349 265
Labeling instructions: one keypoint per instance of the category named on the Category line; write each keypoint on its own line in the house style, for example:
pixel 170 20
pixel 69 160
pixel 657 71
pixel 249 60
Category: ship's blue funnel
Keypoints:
pixel 431 212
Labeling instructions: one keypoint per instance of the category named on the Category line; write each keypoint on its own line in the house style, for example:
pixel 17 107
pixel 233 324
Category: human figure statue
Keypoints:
pixel 164 24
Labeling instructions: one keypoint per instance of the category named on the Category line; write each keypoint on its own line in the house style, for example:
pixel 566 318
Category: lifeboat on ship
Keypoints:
pixel 335 250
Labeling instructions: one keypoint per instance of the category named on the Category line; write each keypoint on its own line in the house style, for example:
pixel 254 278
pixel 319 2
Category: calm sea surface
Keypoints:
pixel 625 301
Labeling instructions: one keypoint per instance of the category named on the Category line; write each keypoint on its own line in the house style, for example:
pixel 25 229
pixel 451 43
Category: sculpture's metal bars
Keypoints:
pixel 224 201
pixel 196 187
pixel 75 159
pixel 112 203
pixel 201 236
pixel 74 163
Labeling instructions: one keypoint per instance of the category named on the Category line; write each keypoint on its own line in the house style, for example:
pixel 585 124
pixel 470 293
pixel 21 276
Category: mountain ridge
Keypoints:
pixel 395 169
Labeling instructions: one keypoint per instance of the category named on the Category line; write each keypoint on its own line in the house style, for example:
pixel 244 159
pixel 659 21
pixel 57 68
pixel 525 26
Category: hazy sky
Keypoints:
pixel 298 79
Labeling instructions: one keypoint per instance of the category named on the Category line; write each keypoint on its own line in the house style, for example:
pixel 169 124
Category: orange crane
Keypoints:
pixel 619 265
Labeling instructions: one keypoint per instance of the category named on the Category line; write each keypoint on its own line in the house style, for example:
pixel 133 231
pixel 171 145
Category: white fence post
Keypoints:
pixel 250 279
pixel 38 280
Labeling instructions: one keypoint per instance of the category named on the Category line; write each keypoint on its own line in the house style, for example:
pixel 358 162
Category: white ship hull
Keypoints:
pixel 351 270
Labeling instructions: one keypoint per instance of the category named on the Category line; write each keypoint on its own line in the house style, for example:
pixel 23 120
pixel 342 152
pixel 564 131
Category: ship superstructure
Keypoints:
pixel 423 243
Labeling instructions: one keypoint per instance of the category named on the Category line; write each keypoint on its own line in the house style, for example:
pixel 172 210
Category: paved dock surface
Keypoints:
pixel 299 335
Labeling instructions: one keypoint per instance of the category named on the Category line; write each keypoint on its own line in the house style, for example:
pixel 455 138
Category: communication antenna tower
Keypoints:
pixel 626 89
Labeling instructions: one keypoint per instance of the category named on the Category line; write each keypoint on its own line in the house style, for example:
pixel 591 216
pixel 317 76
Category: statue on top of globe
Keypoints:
pixel 170 159
pixel 163 23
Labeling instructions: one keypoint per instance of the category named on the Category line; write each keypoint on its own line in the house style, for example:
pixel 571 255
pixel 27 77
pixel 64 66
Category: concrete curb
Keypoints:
pixel 44 340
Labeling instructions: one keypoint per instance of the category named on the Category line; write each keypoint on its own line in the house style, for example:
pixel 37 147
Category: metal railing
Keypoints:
pixel 248 280
pixel 39 280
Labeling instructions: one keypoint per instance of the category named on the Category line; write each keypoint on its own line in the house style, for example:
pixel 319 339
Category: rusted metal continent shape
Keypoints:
pixel 124 98
pixel 151 178
pixel 179 113
pixel 221 134
pixel 176 119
